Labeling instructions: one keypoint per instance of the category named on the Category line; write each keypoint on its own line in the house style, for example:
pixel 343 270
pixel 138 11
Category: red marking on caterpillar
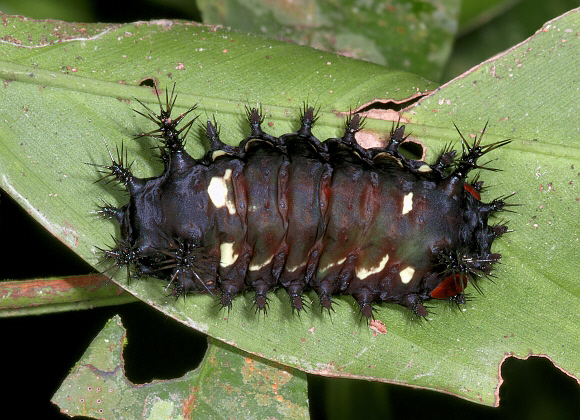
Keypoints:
pixel 450 287
pixel 473 191
pixel 298 213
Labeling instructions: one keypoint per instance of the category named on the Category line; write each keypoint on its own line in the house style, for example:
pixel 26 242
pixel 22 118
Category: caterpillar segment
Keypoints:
pixel 298 213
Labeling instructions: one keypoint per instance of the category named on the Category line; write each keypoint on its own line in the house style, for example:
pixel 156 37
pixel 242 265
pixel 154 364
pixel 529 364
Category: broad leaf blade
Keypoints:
pixel 49 131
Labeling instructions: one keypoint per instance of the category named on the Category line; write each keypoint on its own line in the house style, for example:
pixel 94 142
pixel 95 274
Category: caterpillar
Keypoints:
pixel 298 213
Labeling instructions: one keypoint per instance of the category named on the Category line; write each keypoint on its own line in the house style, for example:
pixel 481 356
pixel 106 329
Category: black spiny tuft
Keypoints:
pixel 471 153
pixel 167 131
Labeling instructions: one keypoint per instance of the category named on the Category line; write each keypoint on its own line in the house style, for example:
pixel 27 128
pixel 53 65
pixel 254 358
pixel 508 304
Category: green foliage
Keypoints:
pixel 226 382
pixel 69 86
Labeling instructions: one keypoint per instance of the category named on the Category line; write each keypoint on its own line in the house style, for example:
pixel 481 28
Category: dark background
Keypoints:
pixel 38 352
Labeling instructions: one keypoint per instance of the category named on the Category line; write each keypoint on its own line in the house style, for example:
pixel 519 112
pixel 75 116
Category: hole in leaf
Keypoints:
pixel 148 81
pixel 411 150
pixel 390 104
pixel 535 385
pixel 159 347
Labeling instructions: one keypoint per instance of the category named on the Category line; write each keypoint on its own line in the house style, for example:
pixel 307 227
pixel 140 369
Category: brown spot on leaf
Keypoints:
pixel 378 327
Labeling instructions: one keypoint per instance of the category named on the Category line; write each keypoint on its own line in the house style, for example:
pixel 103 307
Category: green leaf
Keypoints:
pixel 71 10
pixel 227 384
pixel 529 93
pixel 60 100
pixel 412 36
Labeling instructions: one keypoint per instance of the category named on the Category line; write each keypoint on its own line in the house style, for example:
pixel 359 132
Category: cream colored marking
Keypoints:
pixel 217 153
pixel 407 274
pixel 408 203
pixel 363 273
pixel 250 142
pixel 296 267
pixel 227 256
pixel 329 266
pixel 424 168
pixel 218 192
pixel 390 157
pixel 256 267
pixel 231 207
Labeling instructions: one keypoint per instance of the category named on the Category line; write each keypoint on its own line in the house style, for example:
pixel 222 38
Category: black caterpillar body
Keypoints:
pixel 299 213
